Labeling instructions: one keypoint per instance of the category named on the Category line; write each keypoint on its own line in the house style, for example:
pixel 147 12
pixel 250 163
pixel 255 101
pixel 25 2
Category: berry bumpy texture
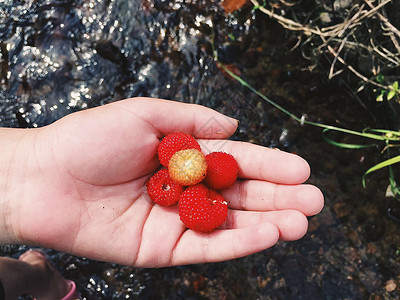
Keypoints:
pixel 187 167
pixel 221 171
pixel 174 142
pixel 162 189
pixel 202 209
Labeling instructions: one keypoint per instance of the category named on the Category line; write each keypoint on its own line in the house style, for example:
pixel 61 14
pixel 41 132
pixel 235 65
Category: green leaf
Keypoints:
pixel 380 78
pixel 391 94
pixel 381 165
pixel 395 86
pixel 258 6
pixel 379 98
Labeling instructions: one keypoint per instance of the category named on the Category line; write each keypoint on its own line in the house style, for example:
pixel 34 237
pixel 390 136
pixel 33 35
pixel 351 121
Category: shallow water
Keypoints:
pixel 58 57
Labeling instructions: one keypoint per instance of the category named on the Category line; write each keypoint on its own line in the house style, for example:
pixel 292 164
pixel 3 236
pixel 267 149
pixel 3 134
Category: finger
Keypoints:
pixel 292 224
pixel 257 162
pixel 158 236
pixel 170 116
pixel 220 245
pixel 266 196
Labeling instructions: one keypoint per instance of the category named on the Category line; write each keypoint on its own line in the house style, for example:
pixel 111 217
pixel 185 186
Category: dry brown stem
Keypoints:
pixel 353 35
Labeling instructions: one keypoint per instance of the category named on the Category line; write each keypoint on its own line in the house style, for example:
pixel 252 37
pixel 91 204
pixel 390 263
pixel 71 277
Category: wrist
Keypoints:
pixel 14 163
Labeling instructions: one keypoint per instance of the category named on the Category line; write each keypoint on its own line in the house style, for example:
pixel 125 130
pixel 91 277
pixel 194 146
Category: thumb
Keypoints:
pixel 170 116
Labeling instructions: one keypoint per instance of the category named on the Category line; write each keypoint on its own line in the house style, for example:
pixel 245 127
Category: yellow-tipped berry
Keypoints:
pixel 187 167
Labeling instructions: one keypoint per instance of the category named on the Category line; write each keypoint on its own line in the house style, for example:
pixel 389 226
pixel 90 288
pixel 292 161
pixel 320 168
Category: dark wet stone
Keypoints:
pixel 109 51
pixel 393 210
pixel 229 53
pixel 374 229
pixel 342 209
pixel 348 288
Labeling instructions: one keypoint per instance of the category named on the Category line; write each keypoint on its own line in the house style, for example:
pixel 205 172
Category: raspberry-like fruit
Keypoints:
pixel 162 189
pixel 202 209
pixel 174 142
pixel 188 167
pixel 222 170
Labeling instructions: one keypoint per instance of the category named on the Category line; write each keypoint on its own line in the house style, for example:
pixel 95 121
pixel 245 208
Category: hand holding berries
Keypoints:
pixel 201 208
pixel 81 188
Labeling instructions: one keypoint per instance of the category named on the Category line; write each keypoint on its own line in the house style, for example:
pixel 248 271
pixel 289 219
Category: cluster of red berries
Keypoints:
pixel 192 180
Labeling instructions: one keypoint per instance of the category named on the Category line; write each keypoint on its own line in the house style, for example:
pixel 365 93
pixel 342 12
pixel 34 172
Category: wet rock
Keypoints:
pixel 229 53
pixel 393 209
pixel 341 4
pixel 390 286
pixel 374 228
pixel 109 51
pixel 342 209
pixel 375 297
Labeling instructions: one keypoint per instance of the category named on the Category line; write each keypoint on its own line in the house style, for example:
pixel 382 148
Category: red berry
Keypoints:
pixel 222 170
pixel 174 142
pixel 202 209
pixel 162 189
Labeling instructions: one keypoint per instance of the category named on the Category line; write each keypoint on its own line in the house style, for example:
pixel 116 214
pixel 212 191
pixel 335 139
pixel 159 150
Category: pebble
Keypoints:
pixel 390 285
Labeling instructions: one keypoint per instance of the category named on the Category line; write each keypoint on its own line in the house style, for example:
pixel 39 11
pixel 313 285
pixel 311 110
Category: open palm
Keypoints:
pixel 86 191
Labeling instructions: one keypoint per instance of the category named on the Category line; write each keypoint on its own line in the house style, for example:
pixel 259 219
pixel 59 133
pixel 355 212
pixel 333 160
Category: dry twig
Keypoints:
pixel 353 34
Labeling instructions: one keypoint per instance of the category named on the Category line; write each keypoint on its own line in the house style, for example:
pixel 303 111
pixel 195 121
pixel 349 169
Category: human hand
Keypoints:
pixel 81 188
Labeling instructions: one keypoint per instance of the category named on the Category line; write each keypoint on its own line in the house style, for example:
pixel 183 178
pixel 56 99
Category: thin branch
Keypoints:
pixel 352 69
pixel 332 68
pixel 340 34
pixel 384 19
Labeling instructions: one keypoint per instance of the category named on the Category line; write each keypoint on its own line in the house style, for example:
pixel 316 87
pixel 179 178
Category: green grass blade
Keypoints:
pixel 343 145
pixel 376 134
pixel 300 120
pixel 390 135
pixel 381 165
pixel 393 185
pixel 381 131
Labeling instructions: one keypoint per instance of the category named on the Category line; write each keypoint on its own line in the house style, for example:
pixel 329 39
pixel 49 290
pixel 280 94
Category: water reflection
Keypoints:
pixel 81 54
